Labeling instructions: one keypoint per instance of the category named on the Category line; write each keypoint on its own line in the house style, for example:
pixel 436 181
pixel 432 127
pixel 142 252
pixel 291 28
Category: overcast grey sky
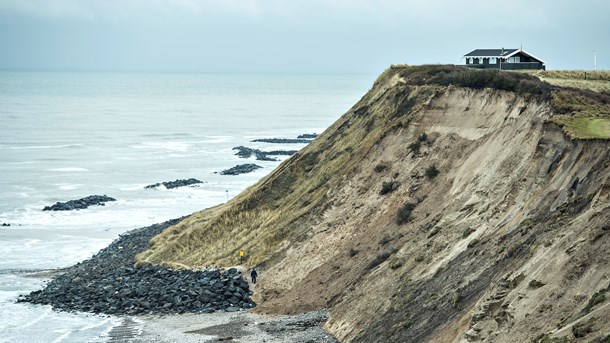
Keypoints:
pixel 309 36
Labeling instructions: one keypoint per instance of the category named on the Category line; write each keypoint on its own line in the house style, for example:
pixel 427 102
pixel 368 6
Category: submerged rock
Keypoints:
pixel 80 203
pixel 175 184
pixel 241 169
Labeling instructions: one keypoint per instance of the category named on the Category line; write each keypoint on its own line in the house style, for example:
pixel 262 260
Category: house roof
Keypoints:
pixel 490 52
pixel 500 53
pixel 525 53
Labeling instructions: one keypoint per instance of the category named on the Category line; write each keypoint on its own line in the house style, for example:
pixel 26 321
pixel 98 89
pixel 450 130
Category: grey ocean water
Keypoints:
pixel 65 136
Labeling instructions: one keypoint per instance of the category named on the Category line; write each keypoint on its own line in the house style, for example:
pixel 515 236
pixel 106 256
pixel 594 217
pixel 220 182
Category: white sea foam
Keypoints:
pixel 157 139
pixel 172 146
pixel 216 139
pixel 24 147
pixel 68 169
pixel 69 187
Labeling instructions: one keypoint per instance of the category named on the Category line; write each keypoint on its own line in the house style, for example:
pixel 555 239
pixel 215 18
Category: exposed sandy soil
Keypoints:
pixel 230 327
pixel 508 243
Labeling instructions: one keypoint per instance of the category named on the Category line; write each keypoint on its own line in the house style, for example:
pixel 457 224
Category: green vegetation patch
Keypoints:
pixel 584 128
pixel 431 172
pixel 595 80
pixel 446 75
pixel 596 299
pixel 581 103
pixel 388 187
pixel 404 213
pixel 581 329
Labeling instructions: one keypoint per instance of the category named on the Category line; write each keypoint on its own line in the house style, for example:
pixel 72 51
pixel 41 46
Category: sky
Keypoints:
pixel 294 36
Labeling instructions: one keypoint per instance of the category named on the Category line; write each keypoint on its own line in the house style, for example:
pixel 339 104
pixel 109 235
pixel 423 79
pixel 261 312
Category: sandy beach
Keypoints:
pixel 217 327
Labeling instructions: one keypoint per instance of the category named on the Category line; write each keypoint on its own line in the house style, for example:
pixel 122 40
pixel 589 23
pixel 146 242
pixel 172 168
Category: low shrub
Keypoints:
pixel 388 187
pixel 431 172
pixel 434 231
pixel 380 167
pixel 583 328
pixel 467 232
pixel 461 76
pixel 379 259
pixel 414 147
pixel 396 263
pixel 404 213
pixel 385 239
pixel 597 298
pixel 473 243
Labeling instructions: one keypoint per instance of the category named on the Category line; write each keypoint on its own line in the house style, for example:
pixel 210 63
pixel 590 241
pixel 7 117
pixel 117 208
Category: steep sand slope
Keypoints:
pixel 506 244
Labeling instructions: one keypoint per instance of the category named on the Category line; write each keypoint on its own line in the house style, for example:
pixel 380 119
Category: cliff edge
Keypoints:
pixel 448 205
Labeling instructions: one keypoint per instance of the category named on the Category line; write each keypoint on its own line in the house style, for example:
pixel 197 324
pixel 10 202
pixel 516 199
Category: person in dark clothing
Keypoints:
pixel 253 275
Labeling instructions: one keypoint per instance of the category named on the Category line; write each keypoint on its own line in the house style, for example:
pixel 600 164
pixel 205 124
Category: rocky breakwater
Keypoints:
pixel 241 169
pixel 175 184
pixel 308 135
pixel 108 283
pixel 283 140
pixel 80 203
pixel 245 152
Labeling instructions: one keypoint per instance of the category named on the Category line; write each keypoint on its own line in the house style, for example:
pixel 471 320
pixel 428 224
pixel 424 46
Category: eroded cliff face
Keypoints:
pixel 506 243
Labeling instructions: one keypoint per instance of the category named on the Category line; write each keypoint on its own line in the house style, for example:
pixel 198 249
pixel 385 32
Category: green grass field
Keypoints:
pixel 583 110
pixel 585 128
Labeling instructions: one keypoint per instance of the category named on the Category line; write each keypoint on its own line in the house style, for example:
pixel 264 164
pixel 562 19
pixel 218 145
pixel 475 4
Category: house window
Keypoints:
pixel 492 60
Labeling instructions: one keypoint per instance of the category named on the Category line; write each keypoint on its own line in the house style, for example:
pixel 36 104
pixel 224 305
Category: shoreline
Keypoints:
pixel 160 325
pixel 237 327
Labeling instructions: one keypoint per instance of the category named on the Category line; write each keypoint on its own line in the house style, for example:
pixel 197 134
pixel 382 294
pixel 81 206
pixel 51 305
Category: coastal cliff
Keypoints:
pixel 447 205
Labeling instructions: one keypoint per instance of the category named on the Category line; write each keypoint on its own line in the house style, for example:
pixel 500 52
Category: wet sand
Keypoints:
pixel 218 327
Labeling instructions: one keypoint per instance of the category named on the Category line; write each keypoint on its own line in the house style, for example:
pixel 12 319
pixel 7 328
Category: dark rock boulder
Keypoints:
pixel 308 135
pixel 80 203
pixel 280 152
pixel 245 152
pixel 241 169
pixel 108 283
pixel 283 140
pixel 176 183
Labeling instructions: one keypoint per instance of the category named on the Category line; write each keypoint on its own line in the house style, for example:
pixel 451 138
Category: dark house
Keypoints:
pixel 506 59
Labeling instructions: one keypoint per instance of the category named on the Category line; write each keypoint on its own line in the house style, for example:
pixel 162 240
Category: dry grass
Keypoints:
pixel 583 114
pixel 281 207
pixel 595 80
pixel 581 103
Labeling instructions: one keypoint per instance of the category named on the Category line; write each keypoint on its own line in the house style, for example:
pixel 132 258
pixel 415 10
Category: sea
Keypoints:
pixel 68 135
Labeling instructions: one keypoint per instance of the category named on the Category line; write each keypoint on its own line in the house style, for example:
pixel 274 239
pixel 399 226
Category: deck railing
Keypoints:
pixel 508 66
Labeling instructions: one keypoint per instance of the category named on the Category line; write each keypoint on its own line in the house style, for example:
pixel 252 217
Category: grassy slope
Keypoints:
pixel 277 214
pixel 595 80
pixel 279 207
pixel 269 214
pixel 583 114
